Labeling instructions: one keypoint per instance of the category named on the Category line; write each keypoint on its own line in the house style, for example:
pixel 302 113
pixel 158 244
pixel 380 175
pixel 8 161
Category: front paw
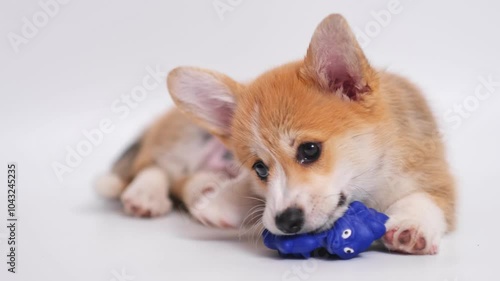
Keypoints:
pixel 416 225
pixel 407 236
pixel 217 201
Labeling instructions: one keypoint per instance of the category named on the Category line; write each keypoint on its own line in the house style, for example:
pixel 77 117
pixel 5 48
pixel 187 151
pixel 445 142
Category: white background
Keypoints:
pixel 67 76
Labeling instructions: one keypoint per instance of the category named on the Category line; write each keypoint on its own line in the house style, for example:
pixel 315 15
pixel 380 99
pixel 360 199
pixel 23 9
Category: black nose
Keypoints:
pixel 291 220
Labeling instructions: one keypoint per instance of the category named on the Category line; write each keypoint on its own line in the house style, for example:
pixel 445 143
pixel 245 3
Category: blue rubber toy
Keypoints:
pixel 350 235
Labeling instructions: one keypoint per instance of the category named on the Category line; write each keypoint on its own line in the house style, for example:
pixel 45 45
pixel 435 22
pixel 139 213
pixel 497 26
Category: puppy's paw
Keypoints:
pixel 145 202
pixel 410 237
pixel 416 226
pixel 147 195
pixel 109 186
pixel 216 200
pixel 220 214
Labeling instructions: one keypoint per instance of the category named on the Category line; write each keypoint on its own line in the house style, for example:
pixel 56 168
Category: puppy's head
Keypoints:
pixel 305 129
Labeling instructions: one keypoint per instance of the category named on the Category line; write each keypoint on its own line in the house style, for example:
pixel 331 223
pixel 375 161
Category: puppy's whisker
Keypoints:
pixel 254 214
pixel 362 173
pixel 251 217
pixel 256 207
pixel 369 196
pixel 243 231
pixel 253 229
pixel 255 198
pixel 259 233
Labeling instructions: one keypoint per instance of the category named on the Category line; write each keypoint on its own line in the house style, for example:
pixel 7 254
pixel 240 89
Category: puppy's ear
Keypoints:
pixel 335 61
pixel 208 97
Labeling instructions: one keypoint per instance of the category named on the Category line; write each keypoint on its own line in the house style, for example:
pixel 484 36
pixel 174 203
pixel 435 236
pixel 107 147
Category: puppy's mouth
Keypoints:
pixel 324 227
pixel 328 224
pixel 334 215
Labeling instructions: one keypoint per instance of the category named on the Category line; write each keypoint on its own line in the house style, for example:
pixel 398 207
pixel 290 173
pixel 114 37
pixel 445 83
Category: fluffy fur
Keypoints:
pixel 379 142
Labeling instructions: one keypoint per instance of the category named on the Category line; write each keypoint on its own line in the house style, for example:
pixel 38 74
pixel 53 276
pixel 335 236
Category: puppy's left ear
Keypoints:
pixel 335 61
pixel 208 97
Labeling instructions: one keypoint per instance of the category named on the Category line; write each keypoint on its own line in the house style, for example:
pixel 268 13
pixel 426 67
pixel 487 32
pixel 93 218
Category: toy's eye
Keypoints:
pixel 346 234
pixel 348 250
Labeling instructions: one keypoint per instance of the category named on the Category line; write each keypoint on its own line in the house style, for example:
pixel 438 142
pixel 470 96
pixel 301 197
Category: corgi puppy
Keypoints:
pixel 295 146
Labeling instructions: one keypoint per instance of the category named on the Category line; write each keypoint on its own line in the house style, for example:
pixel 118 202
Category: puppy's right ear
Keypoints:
pixel 206 96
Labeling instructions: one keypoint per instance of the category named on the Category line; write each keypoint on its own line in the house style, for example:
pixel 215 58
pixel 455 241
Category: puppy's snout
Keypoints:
pixel 290 221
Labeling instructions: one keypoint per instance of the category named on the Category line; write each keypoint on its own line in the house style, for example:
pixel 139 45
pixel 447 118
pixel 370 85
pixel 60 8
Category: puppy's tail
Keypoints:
pixel 112 184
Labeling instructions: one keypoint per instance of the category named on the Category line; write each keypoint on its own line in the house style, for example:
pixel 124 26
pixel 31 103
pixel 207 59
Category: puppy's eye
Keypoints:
pixel 308 152
pixel 261 170
pixel 346 234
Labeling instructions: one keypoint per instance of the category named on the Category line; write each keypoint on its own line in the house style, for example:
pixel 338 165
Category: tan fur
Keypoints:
pixel 379 142
pixel 167 161
pixel 420 148
pixel 163 135
pixel 399 113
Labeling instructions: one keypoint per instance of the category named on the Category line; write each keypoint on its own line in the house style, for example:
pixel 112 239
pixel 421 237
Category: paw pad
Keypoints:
pixel 405 237
pixel 408 241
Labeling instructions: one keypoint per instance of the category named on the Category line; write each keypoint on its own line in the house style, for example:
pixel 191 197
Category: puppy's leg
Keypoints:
pixel 112 184
pixel 214 199
pixel 147 194
pixel 415 226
